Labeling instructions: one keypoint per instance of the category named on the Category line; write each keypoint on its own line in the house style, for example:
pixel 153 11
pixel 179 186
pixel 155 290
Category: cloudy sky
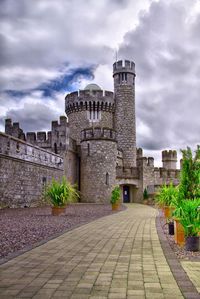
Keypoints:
pixel 51 47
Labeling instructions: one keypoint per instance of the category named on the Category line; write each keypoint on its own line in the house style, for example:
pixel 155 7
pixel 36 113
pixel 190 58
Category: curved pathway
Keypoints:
pixel 117 256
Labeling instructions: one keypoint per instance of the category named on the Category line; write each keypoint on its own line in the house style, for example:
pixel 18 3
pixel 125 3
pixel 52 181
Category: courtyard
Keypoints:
pixel 123 255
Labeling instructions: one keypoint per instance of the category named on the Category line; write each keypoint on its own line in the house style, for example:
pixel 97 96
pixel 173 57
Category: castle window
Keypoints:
pixel 88 149
pixel 17 147
pixel 107 178
pixel 55 148
pixel 8 145
pixel 94 115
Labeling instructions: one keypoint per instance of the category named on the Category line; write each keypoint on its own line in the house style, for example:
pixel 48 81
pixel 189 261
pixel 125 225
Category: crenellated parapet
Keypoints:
pixel 16 148
pixel 95 100
pixel 169 159
pixel 14 129
pixel 98 134
pixel 145 162
pixel 124 66
pixel 127 172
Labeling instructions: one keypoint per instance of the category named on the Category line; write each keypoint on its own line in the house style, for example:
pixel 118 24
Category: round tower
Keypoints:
pixel 88 108
pixel 124 119
pixel 169 159
pixel 98 164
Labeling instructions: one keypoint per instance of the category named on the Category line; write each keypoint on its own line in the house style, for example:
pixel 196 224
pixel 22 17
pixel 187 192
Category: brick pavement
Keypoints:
pixel 117 256
pixel 192 268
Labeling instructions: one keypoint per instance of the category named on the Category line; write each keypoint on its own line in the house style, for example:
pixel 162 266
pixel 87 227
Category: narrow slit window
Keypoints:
pixel 55 148
pixel 107 178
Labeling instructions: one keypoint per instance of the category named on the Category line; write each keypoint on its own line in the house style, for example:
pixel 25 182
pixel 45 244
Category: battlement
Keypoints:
pixel 14 129
pixel 62 123
pixel 127 172
pixel 98 133
pixel 169 155
pixel 144 161
pixel 89 100
pixel 139 153
pixel 19 149
pixel 169 159
pixel 123 66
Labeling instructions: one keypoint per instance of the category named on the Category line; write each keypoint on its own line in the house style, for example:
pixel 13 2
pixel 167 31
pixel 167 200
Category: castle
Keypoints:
pixel 95 147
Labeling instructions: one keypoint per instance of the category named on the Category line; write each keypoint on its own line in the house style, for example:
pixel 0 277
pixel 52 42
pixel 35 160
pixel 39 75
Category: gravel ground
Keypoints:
pixel 180 252
pixel 22 228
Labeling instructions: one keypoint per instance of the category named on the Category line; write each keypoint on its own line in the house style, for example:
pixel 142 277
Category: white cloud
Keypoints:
pixel 44 40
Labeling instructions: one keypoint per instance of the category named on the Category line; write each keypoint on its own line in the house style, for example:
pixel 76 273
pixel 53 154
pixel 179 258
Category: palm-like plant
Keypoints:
pixel 188 214
pixel 166 195
pixel 58 194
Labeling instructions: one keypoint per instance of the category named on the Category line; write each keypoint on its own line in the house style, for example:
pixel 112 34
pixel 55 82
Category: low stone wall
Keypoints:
pixel 25 170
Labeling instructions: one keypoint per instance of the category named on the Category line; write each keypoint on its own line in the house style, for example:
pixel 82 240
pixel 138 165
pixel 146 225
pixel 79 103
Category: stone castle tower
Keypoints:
pixel 97 143
pixel 124 118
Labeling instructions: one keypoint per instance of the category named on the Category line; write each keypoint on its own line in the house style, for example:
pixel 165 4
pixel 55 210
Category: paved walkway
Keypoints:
pixel 192 269
pixel 118 256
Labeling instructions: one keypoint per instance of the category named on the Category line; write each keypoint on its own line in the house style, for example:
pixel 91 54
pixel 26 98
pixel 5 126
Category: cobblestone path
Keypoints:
pixel 117 256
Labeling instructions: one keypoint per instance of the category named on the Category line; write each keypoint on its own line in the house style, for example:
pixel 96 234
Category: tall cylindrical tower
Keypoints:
pixel 124 119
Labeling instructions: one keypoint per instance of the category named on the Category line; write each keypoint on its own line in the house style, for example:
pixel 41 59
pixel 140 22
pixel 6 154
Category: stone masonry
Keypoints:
pixel 94 147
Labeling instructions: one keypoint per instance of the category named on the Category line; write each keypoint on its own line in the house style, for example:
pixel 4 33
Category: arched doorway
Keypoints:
pixel 126 194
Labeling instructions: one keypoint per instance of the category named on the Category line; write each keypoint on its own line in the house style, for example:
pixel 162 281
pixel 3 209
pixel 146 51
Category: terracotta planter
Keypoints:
pixel 56 211
pixel 167 210
pixel 115 206
pixel 192 243
pixel 179 234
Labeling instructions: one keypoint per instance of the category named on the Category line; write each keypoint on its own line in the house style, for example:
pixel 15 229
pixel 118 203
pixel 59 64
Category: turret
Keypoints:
pixel 124 119
pixel 169 159
pixel 98 164
pixel 89 107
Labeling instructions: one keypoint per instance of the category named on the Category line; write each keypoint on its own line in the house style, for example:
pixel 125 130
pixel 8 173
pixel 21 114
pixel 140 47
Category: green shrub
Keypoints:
pixel 116 193
pixel 145 194
pixel 166 195
pixel 58 194
pixel 188 214
pixel 189 186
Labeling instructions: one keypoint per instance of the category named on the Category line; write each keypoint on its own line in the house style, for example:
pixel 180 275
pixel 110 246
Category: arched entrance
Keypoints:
pixel 126 194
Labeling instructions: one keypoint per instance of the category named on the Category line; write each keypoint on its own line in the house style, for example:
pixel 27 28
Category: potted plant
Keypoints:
pixel 115 198
pixel 145 196
pixel 165 198
pixel 59 194
pixel 189 188
pixel 189 217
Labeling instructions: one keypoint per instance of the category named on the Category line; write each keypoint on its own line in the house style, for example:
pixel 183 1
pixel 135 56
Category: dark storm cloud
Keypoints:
pixel 165 47
pixel 33 117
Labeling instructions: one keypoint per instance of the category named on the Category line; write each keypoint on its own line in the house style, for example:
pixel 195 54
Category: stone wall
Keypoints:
pixel 98 170
pixel 71 163
pixel 56 140
pixel 79 121
pixel 24 171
